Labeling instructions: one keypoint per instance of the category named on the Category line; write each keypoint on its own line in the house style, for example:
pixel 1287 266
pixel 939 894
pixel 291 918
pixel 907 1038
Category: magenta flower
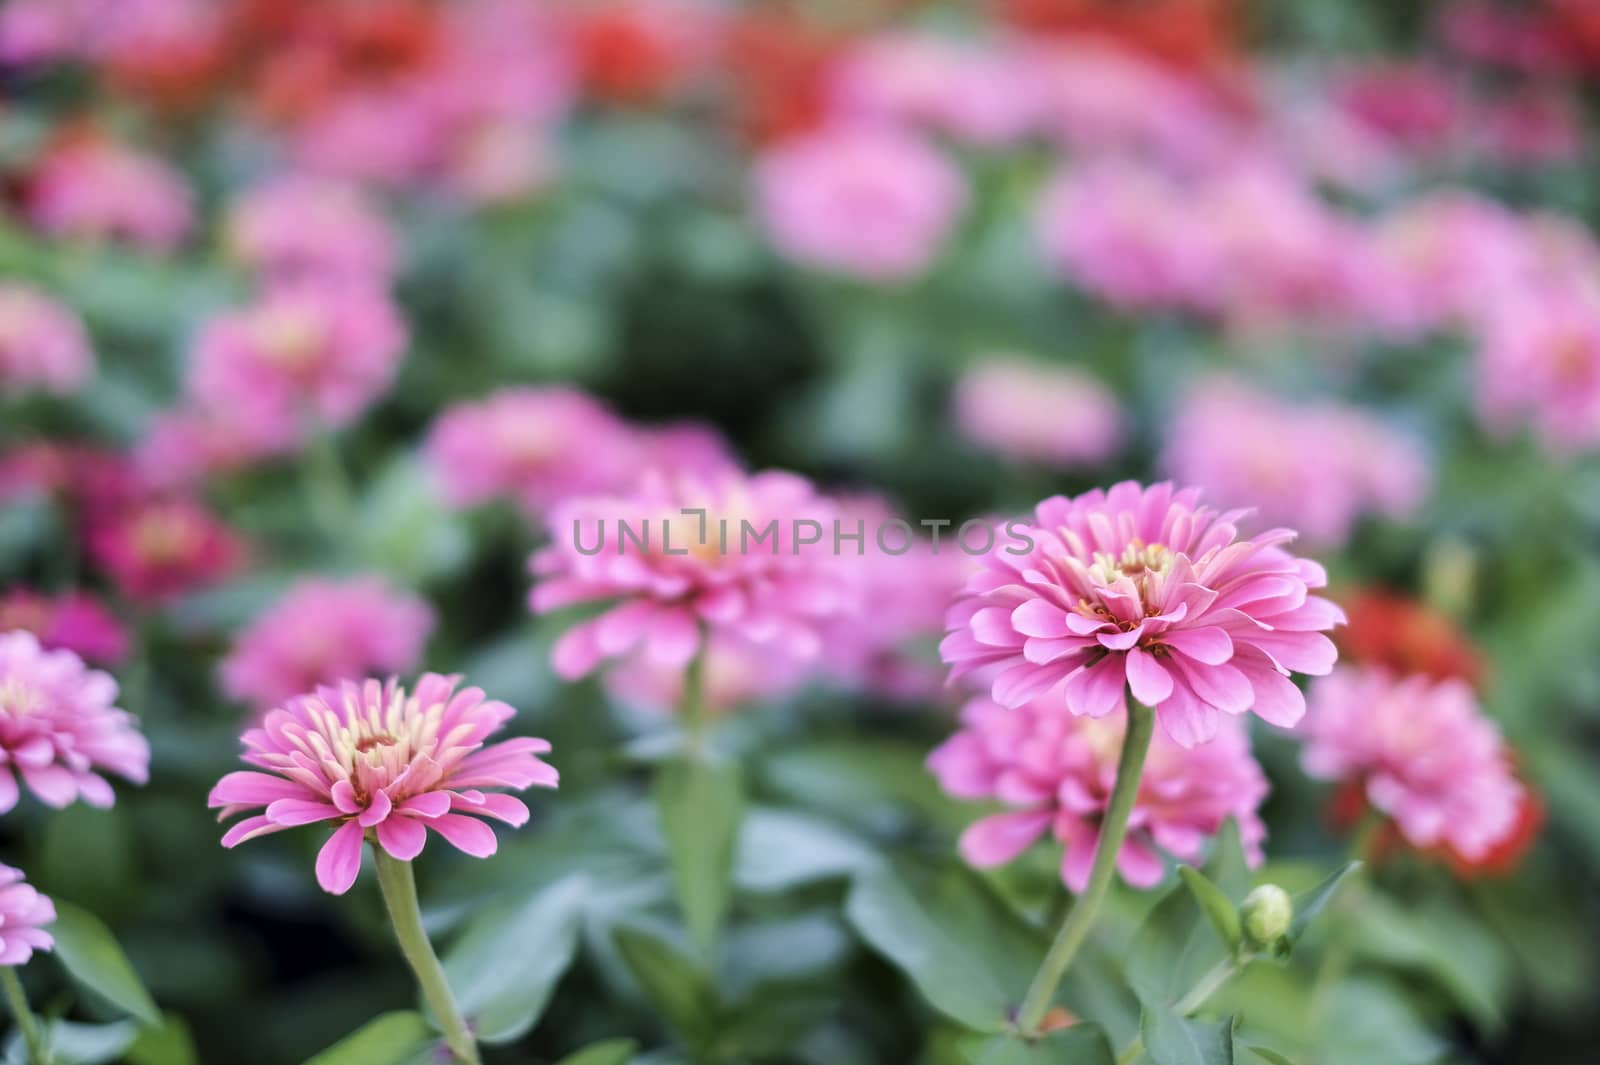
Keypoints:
pixel 1055 771
pixel 324 631
pixel 1038 412
pixel 42 344
pixel 538 446
pixel 300 226
pixel 23 914
pixel 381 762
pixel 73 621
pixel 670 575
pixel 302 357
pixel 59 729
pixel 1144 589
pixel 91 188
pixel 868 202
pixel 1423 751
pixel 158 549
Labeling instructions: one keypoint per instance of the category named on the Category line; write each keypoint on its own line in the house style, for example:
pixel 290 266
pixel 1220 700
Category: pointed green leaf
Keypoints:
pixel 1219 910
pixel 671 981
pixel 388 1039
pixel 1308 904
pixel 609 1052
pixel 1172 950
pixel 700 808
pixel 1173 1040
pixel 89 952
pixel 1226 867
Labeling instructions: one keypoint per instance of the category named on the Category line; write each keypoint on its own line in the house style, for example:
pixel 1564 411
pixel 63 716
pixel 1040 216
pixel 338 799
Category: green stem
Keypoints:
pixel 17 1001
pixel 399 888
pixel 1113 829
pixel 694 714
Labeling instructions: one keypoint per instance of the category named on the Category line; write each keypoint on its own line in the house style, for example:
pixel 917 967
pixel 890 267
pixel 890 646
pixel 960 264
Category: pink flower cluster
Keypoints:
pixel 59 729
pixel 158 548
pixel 1057 415
pixel 43 345
pixel 1241 444
pixel 23 914
pixel 72 621
pixel 324 631
pixel 1144 589
pixel 91 188
pixel 384 763
pixel 301 226
pixel 1425 754
pixel 1055 771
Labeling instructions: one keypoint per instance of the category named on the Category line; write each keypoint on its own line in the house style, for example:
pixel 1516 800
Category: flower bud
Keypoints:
pixel 1265 915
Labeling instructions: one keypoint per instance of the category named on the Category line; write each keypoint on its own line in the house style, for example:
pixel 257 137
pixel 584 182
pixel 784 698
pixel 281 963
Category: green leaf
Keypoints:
pixel 507 961
pixel 671 981
pixel 78 1044
pixel 970 956
pixel 700 808
pixel 1172 950
pixel 1271 1057
pixel 609 1052
pixel 88 951
pixel 388 1039
pixel 1226 867
pixel 783 849
pixel 1173 1040
pixel 1219 910
pixel 1081 1044
pixel 167 1044
pixel 1308 904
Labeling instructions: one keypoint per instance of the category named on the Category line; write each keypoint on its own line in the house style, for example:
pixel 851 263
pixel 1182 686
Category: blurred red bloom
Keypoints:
pixel 1197 34
pixel 1405 637
pixel 776 65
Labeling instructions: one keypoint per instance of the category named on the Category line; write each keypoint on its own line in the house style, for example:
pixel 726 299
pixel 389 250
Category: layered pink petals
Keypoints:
pixel 23 913
pixel 384 765
pixel 1055 771
pixel 1143 589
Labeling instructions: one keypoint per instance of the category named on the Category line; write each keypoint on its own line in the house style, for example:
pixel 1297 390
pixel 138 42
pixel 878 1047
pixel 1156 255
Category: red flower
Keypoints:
pixel 1404 637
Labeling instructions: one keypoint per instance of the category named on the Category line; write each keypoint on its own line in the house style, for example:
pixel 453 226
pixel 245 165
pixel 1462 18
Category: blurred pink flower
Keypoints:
pixel 298 225
pixel 324 631
pixel 43 345
pixel 72 621
pixel 59 729
pixel 1241 444
pixel 739 568
pixel 91 188
pixel 1425 753
pixel 1143 588
pixel 737 673
pixel 390 137
pixel 1538 364
pixel 499 162
pixel 1055 771
pixel 869 202
pixel 23 914
pixel 536 445
pixel 182 448
pixel 159 549
pixel 1535 127
pixel 1414 104
pixel 376 759
pixel 1038 412
pixel 300 358
pixel 91 479
pixel 38 31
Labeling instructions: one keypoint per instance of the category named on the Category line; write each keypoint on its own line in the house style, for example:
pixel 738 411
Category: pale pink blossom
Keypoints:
pixel 1054 771
pixel 673 577
pixel 1245 445
pixel 1538 365
pixel 386 764
pixel 871 202
pixel 183 447
pixel 60 729
pixel 1422 750
pixel 323 631
pixel 92 188
pixel 391 136
pixel 23 914
pixel 299 225
pixel 1038 412
pixel 1145 589
pixel 303 357
pixel 73 621
pixel 735 673
pixel 43 345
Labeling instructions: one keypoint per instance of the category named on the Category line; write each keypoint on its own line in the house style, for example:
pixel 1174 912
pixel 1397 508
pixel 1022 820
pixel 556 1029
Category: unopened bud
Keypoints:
pixel 1265 915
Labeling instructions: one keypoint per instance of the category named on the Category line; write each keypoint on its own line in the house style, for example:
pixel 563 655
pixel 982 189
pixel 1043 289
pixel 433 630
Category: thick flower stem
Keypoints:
pixel 399 888
pixel 17 1001
pixel 1135 744
pixel 694 708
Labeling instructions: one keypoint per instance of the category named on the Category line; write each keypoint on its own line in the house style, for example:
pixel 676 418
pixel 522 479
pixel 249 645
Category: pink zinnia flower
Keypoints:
pixel 183 447
pixel 537 446
pixel 1144 589
pixel 1056 770
pixel 869 202
pixel 42 344
pixel 163 548
pixel 23 914
pixel 323 631
pixel 300 225
pixel 740 570
pixel 737 673
pixel 1539 363
pixel 381 762
pixel 91 188
pixel 1244 445
pixel 73 621
pixel 302 357
pixel 1037 412
pixel 1425 754
pixel 59 728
